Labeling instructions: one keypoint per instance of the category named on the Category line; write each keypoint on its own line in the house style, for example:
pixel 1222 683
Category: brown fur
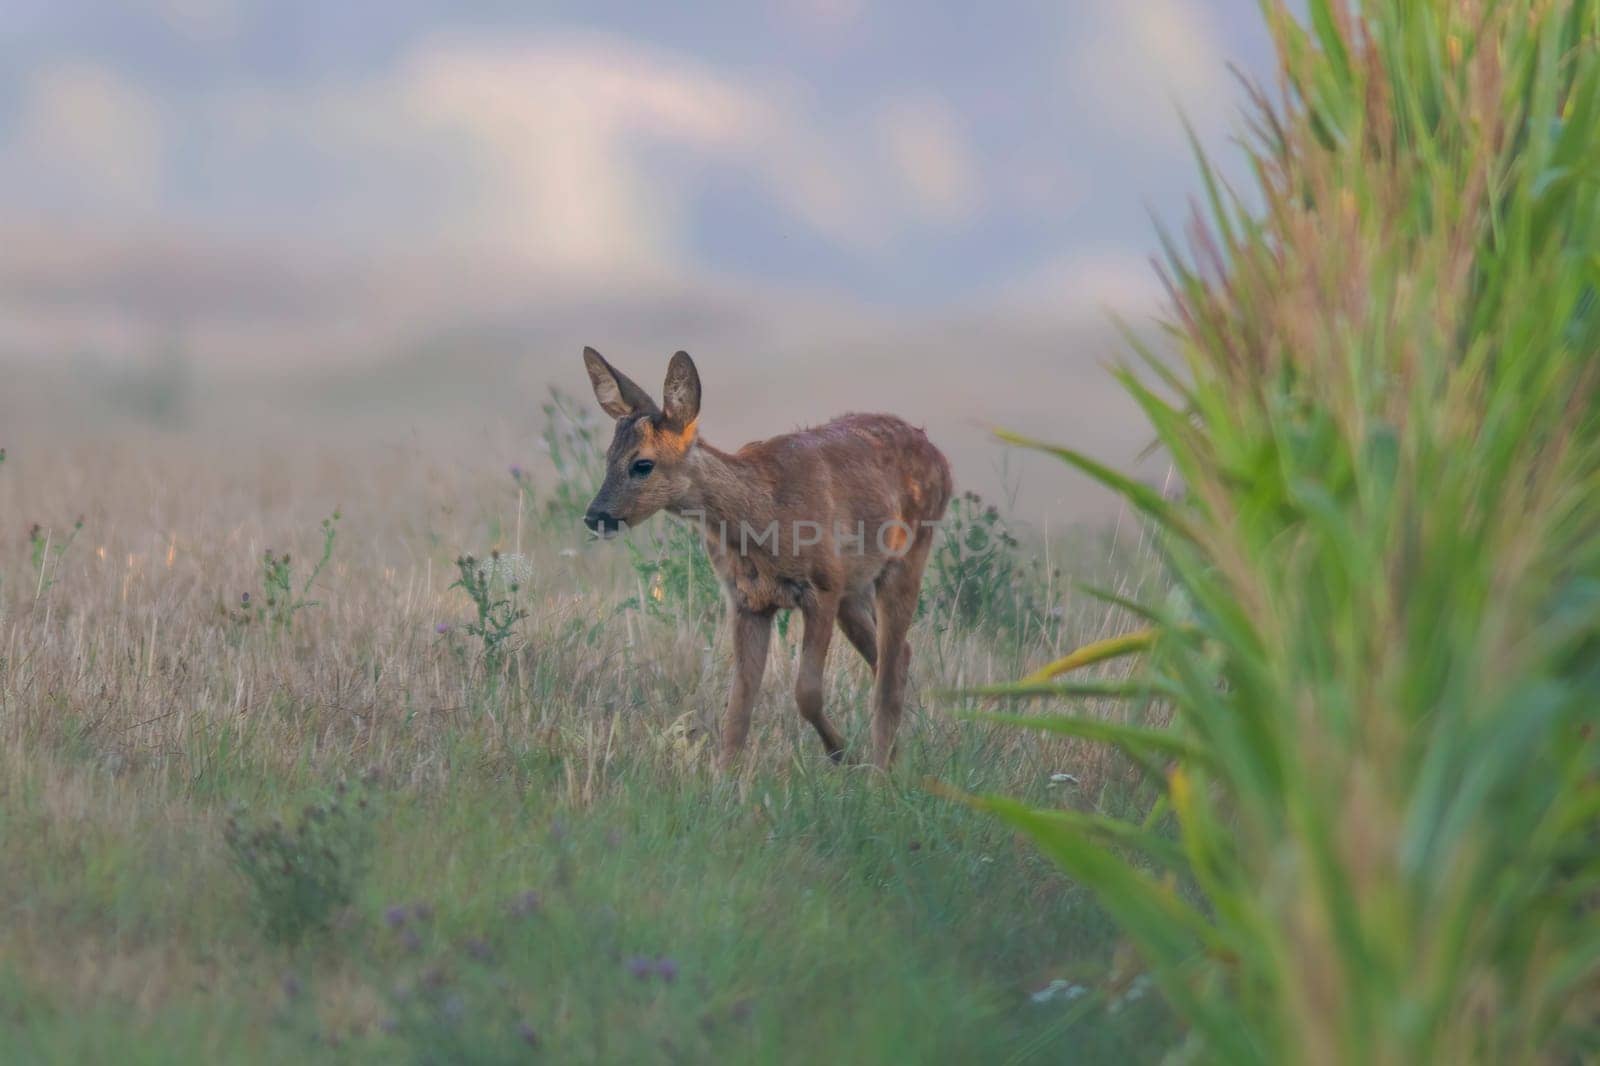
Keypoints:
pixel 835 522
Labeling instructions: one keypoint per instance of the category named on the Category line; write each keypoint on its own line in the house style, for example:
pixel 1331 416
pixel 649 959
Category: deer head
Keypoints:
pixel 646 467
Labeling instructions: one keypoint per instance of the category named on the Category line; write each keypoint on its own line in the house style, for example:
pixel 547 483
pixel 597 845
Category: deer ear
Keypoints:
pixel 680 396
pixel 619 397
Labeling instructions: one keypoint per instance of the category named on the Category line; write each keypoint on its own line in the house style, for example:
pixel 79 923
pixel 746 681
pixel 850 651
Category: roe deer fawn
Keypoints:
pixel 834 522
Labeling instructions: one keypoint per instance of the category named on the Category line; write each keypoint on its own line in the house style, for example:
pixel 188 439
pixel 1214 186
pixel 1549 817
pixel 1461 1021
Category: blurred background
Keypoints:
pixel 235 223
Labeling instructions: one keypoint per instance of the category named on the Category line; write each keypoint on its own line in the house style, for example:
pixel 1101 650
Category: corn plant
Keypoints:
pixel 1379 805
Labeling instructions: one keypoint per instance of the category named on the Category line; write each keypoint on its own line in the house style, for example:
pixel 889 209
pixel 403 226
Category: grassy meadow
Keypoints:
pixel 347 754
pixel 350 817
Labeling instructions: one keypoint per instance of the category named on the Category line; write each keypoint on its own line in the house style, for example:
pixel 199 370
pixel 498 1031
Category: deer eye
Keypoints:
pixel 642 468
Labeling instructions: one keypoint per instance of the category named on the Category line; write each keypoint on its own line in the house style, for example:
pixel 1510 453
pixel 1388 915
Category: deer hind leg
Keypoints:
pixel 751 635
pixel 808 684
pixel 858 621
pixel 898 587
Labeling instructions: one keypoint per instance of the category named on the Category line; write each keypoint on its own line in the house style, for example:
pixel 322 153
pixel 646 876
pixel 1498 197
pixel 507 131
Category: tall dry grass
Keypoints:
pixel 134 627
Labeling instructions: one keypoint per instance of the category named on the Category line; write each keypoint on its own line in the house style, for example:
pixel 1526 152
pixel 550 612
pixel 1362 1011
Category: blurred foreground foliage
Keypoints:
pixel 1375 840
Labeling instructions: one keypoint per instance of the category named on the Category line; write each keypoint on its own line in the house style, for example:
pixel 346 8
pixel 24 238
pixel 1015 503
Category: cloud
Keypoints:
pixel 930 156
pixel 587 151
pixel 1084 284
pixel 555 132
pixel 1135 67
pixel 86 137
pixel 585 154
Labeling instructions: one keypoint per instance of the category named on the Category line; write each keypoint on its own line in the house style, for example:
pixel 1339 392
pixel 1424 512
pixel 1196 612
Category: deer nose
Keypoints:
pixel 600 521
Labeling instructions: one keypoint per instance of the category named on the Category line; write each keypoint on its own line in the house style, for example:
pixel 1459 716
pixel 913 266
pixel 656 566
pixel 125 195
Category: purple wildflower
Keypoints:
pixel 528 1034
pixel 525 904
pixel 394 917
pixel 455 1007
pixel 442 628
pixel 667 969
pixel 641 967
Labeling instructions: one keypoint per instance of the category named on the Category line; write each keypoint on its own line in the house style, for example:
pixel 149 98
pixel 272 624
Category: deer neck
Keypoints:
pixel 725 491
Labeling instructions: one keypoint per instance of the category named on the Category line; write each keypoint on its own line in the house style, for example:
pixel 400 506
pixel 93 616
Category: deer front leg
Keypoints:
pixel 808 684
pixel 751 635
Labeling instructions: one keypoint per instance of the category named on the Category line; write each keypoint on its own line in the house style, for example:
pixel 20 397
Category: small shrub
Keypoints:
pixel 301 874
pixel 980 578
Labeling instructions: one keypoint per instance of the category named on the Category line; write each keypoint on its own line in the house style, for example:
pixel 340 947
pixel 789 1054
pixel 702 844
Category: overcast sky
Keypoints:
pixel 834 204
pixel 905 153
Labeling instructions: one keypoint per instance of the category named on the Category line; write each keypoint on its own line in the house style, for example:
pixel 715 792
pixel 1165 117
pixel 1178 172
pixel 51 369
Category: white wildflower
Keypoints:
pixel 1059 989
pixel 1132 994
pixel 508 568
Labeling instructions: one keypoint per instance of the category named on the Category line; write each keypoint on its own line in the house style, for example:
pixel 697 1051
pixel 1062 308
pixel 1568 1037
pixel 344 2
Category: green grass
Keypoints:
pixel 808 914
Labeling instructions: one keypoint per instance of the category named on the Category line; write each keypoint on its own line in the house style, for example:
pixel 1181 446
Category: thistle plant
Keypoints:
pixel 1375 838
pixel 494 601
pixel 980 578
pixel 42 548
pixel 280 601
pixel 301 873
pixel 575 442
